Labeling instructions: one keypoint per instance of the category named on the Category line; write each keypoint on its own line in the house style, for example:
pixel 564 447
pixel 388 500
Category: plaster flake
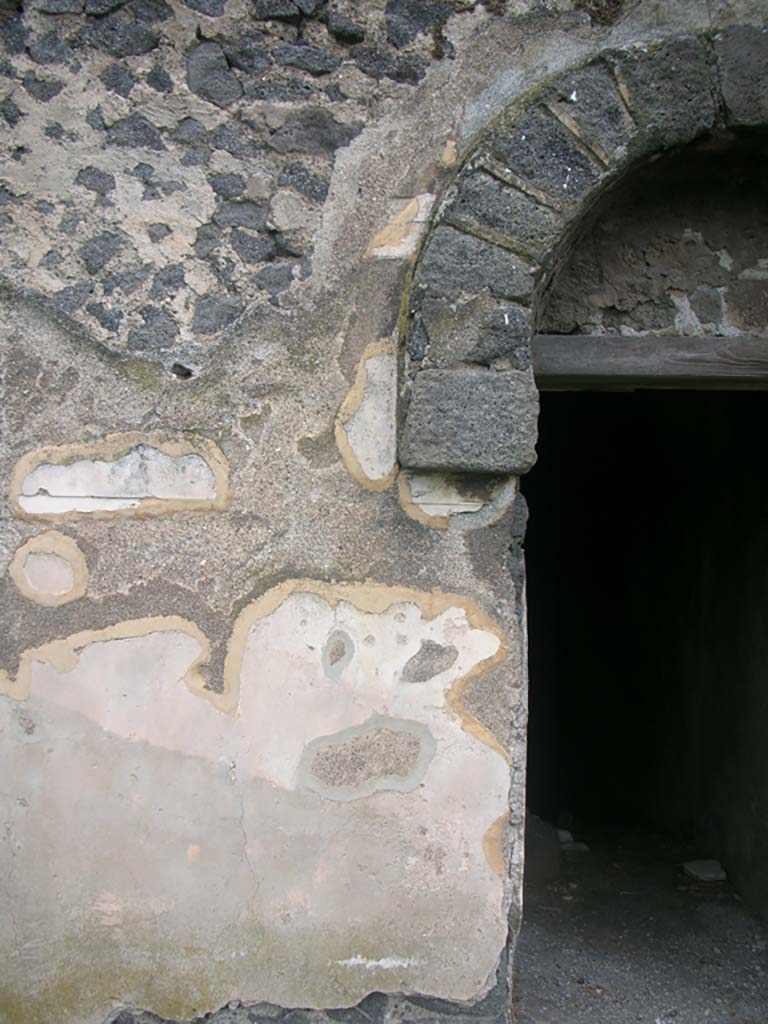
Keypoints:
pixel 214 857
pixel 366 433
pixel 399 238
pixel 444 501
pixel 50 569
pixel 122 475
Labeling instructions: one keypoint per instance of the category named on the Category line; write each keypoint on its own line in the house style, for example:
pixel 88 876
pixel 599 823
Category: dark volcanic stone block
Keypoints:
pixel 672 90
pixel 208 237
pixel 344 29
pixel 50 49
pixel 299 177
pixel 471 420
pixel 307 58
pixel 312 130
pixel 99 250
pixel 159 330
pixel 188 130
pixel 213 313
pixel 211 8
pixel 543 152
pixel 247 53
pixel 72 297
pixel 590 96
pixel 60 6
pixel 253 248
pixel 241 215
pixel 118 79
pixel 281 10
pixel 10 112
pixel 275 278
pixel 455 263
pixel 95 180
pixel 484 204
pixel 135 130
pixel 159 80
pixel 209 75
pixel 227 185
pixel 406 19
pixel 43 89
pixel 122 37
pixel 742 54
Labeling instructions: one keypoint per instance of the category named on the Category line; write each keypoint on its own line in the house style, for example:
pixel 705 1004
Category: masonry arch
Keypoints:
pixel 509 219
pixel 501 236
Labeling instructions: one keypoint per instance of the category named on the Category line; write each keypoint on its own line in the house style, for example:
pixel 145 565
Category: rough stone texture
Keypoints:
pixel 488 207
pixel 590 97
pixel 742 53
pixel 542 152
pixel 307 58
pixel 672 90
pixel 680 250
pixel 430 660
pixel 208 75
pixel 478 421
pixel 378 752
pixel 454 262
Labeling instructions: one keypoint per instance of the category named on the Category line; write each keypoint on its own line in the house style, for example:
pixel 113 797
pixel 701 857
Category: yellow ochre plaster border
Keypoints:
pixel 374 598
pixel 50 543
pixel 63 654
pixel 349 407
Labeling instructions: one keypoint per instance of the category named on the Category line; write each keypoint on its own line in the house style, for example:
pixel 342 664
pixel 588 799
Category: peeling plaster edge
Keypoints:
pixel 399 238
pixel 374 598
pixel 412 510
pixel 113 447
pixel 63 654
pixel 491 512
pixel 350 405
pixel 493 846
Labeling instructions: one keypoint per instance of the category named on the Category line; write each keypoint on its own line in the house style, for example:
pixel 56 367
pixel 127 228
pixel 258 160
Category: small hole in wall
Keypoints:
pixel 181 371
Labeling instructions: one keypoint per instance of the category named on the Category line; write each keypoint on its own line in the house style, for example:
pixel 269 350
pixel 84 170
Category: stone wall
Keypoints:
pixel 680 248
pixel 262 723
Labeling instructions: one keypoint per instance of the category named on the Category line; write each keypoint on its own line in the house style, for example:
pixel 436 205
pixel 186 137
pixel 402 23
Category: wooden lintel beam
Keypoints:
pixel 609 362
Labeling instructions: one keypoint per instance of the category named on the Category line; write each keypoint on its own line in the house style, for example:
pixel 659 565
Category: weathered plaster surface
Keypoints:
pixel 286 827
pixel 122 475
pixel 219 286
pixel 445 501
pixel 399 238
pixel 365 426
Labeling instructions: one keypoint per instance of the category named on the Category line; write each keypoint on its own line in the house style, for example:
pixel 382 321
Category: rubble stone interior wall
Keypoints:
pixel 262 711
pixel 679 247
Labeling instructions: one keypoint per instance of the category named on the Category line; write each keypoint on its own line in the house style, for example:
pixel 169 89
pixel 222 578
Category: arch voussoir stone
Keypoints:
pixel 506 220
pixel 671 90
pixel 742 57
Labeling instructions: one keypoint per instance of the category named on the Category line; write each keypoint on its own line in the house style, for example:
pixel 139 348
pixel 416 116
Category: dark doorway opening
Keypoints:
pixel 647 576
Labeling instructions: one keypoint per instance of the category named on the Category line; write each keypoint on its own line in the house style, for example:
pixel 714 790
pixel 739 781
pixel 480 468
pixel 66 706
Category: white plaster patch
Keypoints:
pixel 48 574
pixel 387 962
pixel 399 238
pixel 124 474
pixel 44 504
pixel 440 495
pixel 152 814
pixel 446 501
pixel 50 569
pixel 366 434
